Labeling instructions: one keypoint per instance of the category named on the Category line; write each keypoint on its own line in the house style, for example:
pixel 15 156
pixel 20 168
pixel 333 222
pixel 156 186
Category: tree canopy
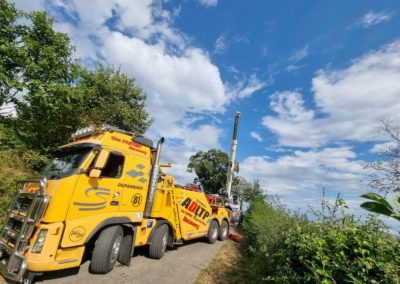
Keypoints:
pixel 211 168
pixel 45 94
pixel 111 97
pixel 385 175
pixel 385 172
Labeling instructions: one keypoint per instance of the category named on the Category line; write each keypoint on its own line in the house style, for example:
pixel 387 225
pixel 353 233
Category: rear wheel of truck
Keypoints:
pixel 159 242
pixel 106 250
pixel 212 234
pixel 223 231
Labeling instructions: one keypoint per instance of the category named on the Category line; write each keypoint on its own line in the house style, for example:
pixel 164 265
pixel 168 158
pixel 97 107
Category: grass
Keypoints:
pixel 221 269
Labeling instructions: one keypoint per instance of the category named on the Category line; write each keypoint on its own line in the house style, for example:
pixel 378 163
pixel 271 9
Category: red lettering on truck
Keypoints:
pixel 190 222
pixel 194 207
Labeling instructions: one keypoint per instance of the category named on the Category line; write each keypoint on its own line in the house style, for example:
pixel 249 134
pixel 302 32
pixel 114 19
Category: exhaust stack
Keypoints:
pixel 153 180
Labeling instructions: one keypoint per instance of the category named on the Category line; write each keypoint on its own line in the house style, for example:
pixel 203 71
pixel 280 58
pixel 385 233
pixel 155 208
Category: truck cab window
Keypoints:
pixel 66 162
pixel 114 166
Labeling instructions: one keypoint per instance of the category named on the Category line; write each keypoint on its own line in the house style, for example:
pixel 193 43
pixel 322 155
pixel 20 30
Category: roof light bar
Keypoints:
pixel 83 132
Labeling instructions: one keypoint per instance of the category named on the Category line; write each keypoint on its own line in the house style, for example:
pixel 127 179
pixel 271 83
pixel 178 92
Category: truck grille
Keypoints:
pixel 24 214
pixel 17 216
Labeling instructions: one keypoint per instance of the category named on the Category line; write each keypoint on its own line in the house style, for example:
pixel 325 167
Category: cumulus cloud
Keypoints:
pixel 181 82
pixel 294 123
pixel 179 157
pixel 349 102
pixel 177 77
pixel 305 171
pixel 381 148
pixel 373 18
pixel 175 84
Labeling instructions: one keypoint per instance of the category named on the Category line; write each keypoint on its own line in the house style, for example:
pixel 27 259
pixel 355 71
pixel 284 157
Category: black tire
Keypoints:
pixel 28 278
pixel 212 233
pixel 223 231
pixel 159 242
pixel 126 249
pixel 106 250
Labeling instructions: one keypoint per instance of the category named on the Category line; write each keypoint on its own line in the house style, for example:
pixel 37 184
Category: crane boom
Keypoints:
pixel 232 157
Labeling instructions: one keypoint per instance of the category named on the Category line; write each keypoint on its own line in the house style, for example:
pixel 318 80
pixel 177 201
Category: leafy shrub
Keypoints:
pixel 284 247
pixel 13 168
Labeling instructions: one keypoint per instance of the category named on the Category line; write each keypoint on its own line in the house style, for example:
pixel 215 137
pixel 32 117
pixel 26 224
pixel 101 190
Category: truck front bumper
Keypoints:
pixel 14 269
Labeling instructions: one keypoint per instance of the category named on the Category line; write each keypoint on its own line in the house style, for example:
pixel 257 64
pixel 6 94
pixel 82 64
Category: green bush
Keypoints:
pixel 13 168
pixel 283 247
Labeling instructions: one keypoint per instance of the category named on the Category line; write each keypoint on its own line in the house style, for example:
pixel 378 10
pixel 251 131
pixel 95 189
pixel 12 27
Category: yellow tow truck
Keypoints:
pixel 103 194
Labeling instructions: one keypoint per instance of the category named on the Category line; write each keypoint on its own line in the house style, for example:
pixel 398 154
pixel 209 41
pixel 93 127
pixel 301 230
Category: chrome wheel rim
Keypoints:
pixel 115 249
pixel 214 233
pixel 225 232
pixel 164 241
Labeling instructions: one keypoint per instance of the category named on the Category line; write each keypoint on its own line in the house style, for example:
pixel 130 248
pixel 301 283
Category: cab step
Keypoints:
pixel 178 242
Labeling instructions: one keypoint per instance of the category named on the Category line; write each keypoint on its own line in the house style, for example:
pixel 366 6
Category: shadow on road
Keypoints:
pixel 139 251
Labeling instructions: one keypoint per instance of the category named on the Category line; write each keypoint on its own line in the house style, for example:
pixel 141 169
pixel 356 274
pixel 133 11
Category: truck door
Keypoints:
pixel 99 195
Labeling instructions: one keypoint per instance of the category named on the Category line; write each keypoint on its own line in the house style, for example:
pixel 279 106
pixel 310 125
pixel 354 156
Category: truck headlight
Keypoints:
pixel 37 248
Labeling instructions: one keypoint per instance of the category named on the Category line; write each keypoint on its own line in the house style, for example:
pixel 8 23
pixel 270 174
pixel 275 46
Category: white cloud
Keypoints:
pixel 374 18
pixel 294 124
pixel 349 102
pixel 175 84
pixel 30 6
pixel 179 157
pixel 256 136
pixel 299 54
pixel 209 3
pixel 292 67
pixel 305 171
pixel 245 86
pixel 382 147
pixel 179 79
pixel 220 45
pixel 182 84
pixel 203 137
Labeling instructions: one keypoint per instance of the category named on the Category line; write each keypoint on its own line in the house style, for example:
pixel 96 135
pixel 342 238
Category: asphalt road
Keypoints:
pixel 179 265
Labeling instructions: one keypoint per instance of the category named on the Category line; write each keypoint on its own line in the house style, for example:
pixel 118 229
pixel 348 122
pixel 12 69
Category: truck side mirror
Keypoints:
pixel 94 173
pixel 101 159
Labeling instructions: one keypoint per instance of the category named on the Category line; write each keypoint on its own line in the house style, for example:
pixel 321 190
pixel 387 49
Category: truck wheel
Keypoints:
pixel 106 250
pixel 28 278
pixel 158 243
pixel 212 234
pixel 223 231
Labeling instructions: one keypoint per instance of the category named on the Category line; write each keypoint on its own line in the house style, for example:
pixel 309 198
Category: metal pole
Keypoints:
pixel 232 158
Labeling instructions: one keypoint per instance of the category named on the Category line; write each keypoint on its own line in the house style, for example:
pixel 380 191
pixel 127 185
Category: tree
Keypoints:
pixel 253 192
pixel 37 74
pixel 385 175
pixel 12 55
pixel 111 97
pixel 211 168
pixel 50 92
pixel 245 191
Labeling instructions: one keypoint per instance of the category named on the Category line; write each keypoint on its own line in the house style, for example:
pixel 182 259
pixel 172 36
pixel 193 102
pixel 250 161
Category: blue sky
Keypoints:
pixel 312 80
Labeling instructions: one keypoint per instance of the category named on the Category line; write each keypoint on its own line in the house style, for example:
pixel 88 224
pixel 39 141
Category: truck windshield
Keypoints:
pixel 66 162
